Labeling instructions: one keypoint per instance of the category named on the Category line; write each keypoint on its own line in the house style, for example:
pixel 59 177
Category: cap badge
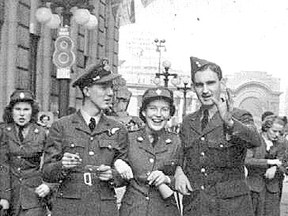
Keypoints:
pixel 158 91
pixel 168 141
pixel 140 139
pixel 22 95
pixel 36 130
pixel 96 78
pixel 198 63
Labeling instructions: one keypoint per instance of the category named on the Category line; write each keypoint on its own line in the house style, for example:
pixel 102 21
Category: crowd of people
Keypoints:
pixel 219 161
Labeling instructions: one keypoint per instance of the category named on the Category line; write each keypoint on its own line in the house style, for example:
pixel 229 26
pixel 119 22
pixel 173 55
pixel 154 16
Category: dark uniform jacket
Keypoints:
pixel 104 145
pixel 256 163
pixel 20 171
pixel 214 164
pixel 141 199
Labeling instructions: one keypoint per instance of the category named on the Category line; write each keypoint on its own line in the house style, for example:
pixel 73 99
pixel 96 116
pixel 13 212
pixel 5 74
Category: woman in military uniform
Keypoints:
pixel 153 155
pixel 22 190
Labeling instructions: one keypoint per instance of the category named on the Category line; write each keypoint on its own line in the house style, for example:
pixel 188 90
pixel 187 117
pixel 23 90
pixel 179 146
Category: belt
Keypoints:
pixel 90 172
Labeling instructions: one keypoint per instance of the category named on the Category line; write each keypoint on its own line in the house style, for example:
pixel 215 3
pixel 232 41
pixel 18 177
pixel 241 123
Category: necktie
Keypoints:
pixel 205 119
pixel 155 139
pixel 20 133
pixel 92 124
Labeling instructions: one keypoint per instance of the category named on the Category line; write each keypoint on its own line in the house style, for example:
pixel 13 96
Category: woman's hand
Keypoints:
pixel 4 203
pixel 270 172
pixel 123 169
pixel 42 190
pixel 157 178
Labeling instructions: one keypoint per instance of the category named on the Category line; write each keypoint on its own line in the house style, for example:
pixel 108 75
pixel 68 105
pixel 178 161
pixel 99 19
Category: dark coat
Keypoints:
pixel 256 163
pixel 20 166
pixel 104 145
pixel 214 164
pixel 141 199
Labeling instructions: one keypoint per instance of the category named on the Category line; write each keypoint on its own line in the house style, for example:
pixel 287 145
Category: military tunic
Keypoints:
pixel 104 145
pixel 20 171
pixel 141 199
pixel 214 164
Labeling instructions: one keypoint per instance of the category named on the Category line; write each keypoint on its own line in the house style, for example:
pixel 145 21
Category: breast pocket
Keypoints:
pixel 108 149
pixel 220 152
pixel 74 146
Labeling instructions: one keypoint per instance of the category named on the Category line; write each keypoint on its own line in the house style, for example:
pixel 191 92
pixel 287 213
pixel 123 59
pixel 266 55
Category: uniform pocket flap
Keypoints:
pixel 107 143
pixel 232 189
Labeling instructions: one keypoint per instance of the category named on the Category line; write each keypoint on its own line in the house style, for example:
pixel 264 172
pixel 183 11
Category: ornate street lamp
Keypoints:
pixel 160 44
pixel 57 14
pixel 166 74
pixel 185 89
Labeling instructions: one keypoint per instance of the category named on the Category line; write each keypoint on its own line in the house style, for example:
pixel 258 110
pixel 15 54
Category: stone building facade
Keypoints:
pixel 26 49
pixel 255 91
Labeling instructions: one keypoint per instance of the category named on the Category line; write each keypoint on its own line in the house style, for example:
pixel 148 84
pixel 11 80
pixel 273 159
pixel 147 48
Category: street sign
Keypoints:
pixel 63 56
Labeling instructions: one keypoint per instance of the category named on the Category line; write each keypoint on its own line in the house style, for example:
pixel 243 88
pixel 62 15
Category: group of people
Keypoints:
pixel 219 162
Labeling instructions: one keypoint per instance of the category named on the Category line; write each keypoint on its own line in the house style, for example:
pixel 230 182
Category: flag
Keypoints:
pixel 126 12
pixel 145 3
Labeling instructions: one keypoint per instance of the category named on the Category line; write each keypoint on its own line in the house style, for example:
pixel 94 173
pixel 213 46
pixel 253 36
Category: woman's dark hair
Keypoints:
pixel 149 100
pixel 270 120
pixel 8 117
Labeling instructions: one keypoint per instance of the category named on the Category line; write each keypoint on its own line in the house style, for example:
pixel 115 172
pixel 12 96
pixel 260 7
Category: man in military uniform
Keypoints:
pixel 215 139
pixel 82 148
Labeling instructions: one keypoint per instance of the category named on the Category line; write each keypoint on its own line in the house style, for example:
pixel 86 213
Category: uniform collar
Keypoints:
pixel 87 117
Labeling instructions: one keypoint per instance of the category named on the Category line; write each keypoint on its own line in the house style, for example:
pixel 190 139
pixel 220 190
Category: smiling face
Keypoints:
pixel 157 114
pixel 207 85
pixel 21 113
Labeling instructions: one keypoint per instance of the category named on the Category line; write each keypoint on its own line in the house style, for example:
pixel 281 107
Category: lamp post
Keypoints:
pixel 185 89
pixel 159 45
pixel 57 14
pixel 166 74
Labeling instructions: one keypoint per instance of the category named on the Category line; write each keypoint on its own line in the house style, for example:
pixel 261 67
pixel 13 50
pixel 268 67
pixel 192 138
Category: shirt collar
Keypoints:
pixel 211 112
pixel 87 117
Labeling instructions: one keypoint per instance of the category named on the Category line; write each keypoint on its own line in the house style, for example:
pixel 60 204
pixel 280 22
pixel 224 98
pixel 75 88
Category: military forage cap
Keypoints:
pixel 21 95
pixel 197 63
pixel 158 92
pixel 96 74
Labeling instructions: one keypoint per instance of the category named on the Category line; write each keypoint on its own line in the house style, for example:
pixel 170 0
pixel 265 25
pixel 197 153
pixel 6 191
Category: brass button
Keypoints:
pixel 147 198
pixel 91 138
pixel 72 145
pixel 202 138
pixel 221 146
pixel 203 170
pixel 202 187
pixel 202 153
pixel 19 169
pixel 109 147
pixel 151 160
pixel 91 153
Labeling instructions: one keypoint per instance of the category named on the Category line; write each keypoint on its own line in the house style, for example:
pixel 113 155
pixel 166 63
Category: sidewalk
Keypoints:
pixel 284 201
